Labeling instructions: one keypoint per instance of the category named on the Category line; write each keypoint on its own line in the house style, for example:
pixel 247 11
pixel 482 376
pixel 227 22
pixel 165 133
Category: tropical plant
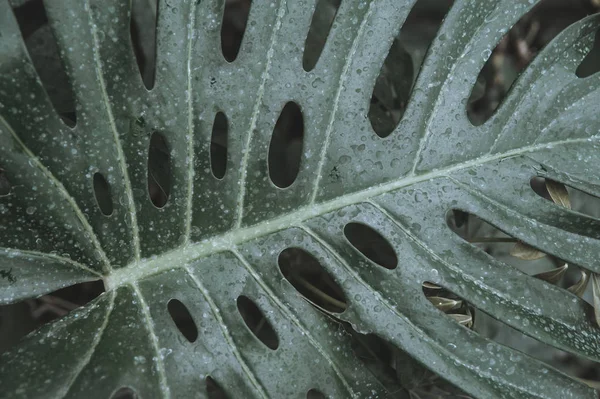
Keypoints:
pixel 129 195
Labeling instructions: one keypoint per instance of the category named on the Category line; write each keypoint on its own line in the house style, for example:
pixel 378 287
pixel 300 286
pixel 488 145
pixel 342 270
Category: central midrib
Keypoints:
pixel 183 255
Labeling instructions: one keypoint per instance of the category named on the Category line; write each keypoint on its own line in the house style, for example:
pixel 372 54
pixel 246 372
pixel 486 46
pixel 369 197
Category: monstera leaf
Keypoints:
pixel 78 207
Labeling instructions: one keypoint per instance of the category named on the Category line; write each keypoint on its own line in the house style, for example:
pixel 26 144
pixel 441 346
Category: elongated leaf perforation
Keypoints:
pixel 257 322
pixel 213 389
pixel 143 38
pixel 5 185
pixel 591 63
pixel 159 170
pixel 233 26
pixel 310 279
pixel 218 145
pixel 183 319
pixel 286 146
pixel 103 194
pixel 322 19
pixel 394 83
pixel 371 244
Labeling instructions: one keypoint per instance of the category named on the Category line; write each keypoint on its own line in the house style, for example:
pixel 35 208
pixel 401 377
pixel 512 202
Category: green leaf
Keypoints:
pixel 217 239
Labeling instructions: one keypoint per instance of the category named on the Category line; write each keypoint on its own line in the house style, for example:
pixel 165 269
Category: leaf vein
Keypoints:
pixel 95 342
pixel 226 335
pixel 160 366
pixel 294 320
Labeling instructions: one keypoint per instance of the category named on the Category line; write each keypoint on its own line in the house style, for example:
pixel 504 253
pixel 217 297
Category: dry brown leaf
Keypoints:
pixel 554 275
pixel 463 319
pixel 558 192
pixel 444 304
pixel 526 252
pixel 579 288
pixel 431 286
pixel 596 295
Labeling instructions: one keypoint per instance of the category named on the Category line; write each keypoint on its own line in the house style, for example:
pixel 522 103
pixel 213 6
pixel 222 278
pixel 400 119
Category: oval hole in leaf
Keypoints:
pixel 515 52
pixel 315 394
pixel 371 244
pixel 44 52
pixel 124 393
pixel 103 194
pixel 4 183
pixel 235 19
pixel 591 63
pixel 214 390
pixel 323 17
pixel 142 28
pixel 393 86
pixel 257 322
pixel 285 149
pixel 183 319
pixel 311 280
pixel 159 170
pixel 218 146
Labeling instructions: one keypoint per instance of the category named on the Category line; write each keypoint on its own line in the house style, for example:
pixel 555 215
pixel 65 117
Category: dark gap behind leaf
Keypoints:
pixel 159 170
pixel 320 27
pixel 218 145
pixel 235 19
pixel 5 185
pixel 103 194
pixel 257 323
pixel 393 86
pixel 285 149
pixel 183 319
pixel 45 56
pixel 371 244
pixel 515 52
pixel 19 319
pixel 591 63
pixel 214 390
pixel 143 38
pixel 507 249
pixel 311 280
